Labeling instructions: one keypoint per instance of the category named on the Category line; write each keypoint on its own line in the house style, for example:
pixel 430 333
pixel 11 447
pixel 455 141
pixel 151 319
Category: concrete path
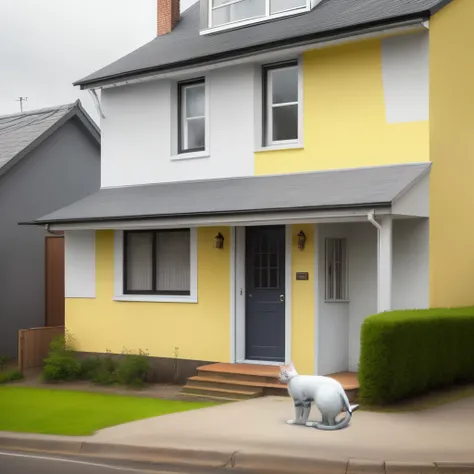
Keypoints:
pixel 257 427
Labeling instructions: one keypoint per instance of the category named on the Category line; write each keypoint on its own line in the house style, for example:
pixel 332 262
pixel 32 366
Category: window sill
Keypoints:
pixel 285 146
pixel 191 156
pixel 157 298
pixel 336 301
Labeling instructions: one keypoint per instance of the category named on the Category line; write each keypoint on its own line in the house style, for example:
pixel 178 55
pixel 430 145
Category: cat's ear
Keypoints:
pixel 292 366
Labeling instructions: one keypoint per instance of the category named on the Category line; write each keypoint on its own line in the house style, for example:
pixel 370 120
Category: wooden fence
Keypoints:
pixel 33 345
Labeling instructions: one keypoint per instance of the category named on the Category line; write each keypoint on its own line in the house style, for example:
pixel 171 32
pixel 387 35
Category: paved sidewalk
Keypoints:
pixel 257 427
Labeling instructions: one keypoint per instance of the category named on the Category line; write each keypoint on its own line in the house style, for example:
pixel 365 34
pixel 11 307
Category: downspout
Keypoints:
pixel 97 103
pixel 371 219
pixel 49 231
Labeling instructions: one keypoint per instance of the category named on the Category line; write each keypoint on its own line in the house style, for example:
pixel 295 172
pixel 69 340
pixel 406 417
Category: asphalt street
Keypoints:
pixel 17 462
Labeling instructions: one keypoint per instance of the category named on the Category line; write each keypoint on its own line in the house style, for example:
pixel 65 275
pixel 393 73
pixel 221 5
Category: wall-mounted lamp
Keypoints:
pixel 219 241
pixel 301 239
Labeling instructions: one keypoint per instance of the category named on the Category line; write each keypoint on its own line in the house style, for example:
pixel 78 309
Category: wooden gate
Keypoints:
pixel 54 281
pixel 33 345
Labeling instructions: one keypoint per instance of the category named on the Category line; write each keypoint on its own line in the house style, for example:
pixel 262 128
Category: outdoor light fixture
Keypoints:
pixel 301 239
pixel 219 241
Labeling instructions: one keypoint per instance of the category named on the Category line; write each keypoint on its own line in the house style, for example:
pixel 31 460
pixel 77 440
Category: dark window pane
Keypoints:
pixel 264 283
pixel 139 261
pixel 285 123
pixel 284 85
pixel 173 259
pixel 256 278
pixel 196 133
pixel 274 278
pixel 273 260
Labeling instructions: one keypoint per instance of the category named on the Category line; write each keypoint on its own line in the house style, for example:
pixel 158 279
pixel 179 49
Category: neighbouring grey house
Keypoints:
pixel 49 158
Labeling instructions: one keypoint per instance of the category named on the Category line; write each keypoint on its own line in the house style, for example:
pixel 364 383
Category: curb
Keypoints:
pixel 241 461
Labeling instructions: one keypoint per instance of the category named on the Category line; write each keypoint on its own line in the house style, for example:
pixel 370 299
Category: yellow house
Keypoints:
pixel 273 172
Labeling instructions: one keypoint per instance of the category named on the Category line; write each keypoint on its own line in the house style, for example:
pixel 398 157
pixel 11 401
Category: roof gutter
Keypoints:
pixel 312 41
pixel 328 214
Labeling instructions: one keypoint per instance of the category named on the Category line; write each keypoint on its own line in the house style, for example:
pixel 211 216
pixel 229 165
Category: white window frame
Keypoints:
pixel 249 21
pixel 183 121
pixel 267 135
pixel 119 294
pixel 344 272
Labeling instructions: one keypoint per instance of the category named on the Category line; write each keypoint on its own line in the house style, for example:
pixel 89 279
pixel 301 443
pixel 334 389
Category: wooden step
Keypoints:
pixel 233 383
pixel 222 392
pixel 215 398
pixel 244 372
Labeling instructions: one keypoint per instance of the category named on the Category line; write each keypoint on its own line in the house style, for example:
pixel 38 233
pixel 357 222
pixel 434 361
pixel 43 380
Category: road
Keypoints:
pixel 17 462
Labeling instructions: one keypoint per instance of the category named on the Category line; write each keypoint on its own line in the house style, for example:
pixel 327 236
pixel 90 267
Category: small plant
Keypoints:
pixel 175 365
pixel 133 369
pixel 107 370
pixel 10 375
pixel 89 367
pixel 61 363
pixel 4 361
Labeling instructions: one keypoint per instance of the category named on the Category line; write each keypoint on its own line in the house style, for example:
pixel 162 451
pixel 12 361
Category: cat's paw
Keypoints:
pixel 309 424
pixel 291 422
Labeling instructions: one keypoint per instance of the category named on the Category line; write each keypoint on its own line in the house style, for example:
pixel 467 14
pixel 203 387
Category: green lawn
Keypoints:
pixel 61 412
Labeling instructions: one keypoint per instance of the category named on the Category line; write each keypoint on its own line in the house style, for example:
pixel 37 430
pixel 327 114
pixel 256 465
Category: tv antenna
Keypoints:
pixel 21 100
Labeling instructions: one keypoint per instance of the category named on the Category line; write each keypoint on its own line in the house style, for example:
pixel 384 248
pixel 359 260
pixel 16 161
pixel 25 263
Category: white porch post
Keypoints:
pixel 384 265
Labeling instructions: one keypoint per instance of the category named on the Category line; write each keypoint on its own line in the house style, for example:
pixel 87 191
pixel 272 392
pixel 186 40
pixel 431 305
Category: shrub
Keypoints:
pixel 405 353
pixel 4 361
pixel 61 363
pixel 106 372
pixel 133 369
pixel 89 367
pixel 10 375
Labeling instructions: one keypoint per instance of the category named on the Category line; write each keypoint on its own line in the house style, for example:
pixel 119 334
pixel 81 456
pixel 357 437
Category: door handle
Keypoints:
pixel 282 298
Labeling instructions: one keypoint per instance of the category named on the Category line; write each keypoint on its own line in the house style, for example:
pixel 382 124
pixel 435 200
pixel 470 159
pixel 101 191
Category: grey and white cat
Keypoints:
pixel 326 393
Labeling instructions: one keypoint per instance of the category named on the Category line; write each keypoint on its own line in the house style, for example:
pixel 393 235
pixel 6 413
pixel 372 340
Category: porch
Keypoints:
pixel 277 269
pixel 243 381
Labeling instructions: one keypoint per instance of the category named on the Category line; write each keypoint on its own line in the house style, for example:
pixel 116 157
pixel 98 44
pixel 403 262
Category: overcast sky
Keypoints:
pixel 46 45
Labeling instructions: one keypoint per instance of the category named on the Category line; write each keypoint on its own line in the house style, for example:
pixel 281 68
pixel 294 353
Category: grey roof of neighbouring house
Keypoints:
pixel 184 46
pixel 346 188
pixel 21 133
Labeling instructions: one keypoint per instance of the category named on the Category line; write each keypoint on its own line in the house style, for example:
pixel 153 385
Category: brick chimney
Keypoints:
pixel 168 15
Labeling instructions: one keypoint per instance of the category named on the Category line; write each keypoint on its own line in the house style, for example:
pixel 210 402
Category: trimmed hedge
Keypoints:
pixel 405 353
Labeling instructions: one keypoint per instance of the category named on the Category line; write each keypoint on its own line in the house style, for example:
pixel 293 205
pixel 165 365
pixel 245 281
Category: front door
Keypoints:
pixel 265 294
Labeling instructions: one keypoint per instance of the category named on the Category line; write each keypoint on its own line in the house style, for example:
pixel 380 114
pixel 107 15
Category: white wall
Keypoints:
pixel 139 131
pixel 339 323
pixel 362 284
pixel 405 72
pixel 410 281
pixel 333 327
pixel 79 261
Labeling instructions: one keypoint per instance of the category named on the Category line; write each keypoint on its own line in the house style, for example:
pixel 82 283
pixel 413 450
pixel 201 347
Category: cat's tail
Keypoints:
pixel 344 422
pixel 338 426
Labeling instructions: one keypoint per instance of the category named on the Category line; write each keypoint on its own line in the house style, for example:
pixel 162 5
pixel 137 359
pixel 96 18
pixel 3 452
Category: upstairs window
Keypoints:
pixel 191 116
pixel 336 270
pixel 280 99
pixel 224 12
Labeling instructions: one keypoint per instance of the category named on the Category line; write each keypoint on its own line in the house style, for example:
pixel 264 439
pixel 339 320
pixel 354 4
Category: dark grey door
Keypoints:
pixel 265 293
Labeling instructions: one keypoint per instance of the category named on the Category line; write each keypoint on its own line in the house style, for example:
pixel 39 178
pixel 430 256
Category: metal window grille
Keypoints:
pixel 336 270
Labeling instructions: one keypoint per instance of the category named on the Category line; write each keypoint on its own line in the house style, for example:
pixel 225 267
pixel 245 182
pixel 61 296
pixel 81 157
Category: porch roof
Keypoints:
pixel 323 190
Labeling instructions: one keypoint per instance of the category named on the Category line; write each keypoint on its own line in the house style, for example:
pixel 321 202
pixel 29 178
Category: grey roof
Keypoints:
pixel 344 188
pixel 21 133
pixel 184 46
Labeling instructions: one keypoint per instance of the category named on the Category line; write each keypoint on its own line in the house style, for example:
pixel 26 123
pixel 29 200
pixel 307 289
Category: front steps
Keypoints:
pixel 232 382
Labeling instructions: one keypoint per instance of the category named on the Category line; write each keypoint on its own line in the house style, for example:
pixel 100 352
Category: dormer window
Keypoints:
pixel 225 14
